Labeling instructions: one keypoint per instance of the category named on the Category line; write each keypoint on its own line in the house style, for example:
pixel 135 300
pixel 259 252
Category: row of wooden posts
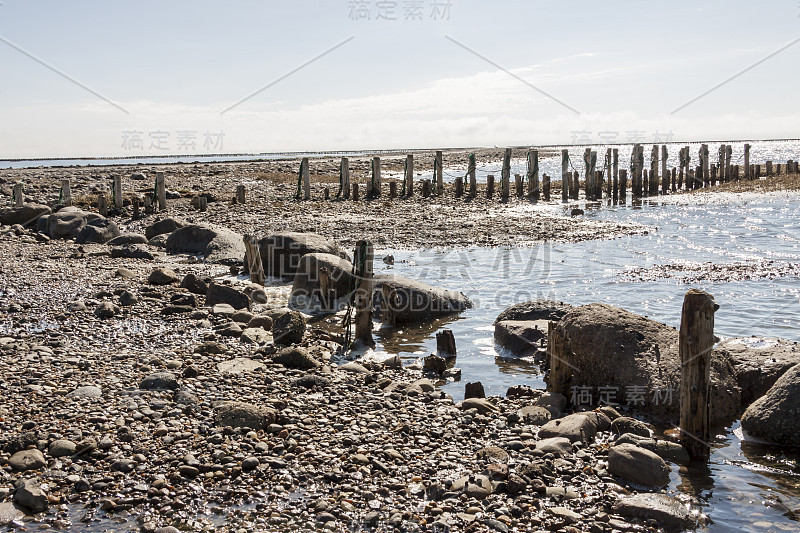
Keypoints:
pixel 695 344
pixel 659 179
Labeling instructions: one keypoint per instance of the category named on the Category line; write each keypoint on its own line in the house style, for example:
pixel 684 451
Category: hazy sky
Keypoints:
pixel 94 78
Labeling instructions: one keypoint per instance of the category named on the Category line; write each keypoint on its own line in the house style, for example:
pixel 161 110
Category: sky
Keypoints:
pixel 112 78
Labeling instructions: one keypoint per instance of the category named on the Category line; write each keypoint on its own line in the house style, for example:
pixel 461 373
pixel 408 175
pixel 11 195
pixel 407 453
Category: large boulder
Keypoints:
pixel 414 301
pixel 289 328
pixel 281 252
pixel 27 215
pixel 637 359
pixel 165 225
pixel 68 222
pixel 667 511
pixel 638 465
pixel 775 417
pixel 306 291
pixel 520 337
pixel 222 294
pixel 98 231
pixel 575 427
pixel 535 310
pixel 758 363
pixel 217 245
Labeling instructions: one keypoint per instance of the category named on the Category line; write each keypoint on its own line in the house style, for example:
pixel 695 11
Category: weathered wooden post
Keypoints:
pixel 588 175
pixel 533 175
pixel 409 175
pixel 362 262
pixel 202 203
pixel 721 165
pixel 148 204
pixel 696 341
pixel 438 173
pixel 344 178
pixel 135 206
pixel 757 172
pixel 374 185
pixel 355 192
pixel 728 155
pixel 593 174
pixel 674 176
pixel 252 256
pixel 609 167
pixel 623 184
pixel 446 344
pixel 654 181
pixel 490 186
pixel 713 176
pixel 66 193
pixel 664 172
pixel 505 175
pixel 638 169
pixel 518 185
pixel 161 191
pixel 326 193
pixel 706 162
pixel 645 184
pixel 546 186
pixel 392 190
pixel 558 358
pixel 473 180
pixel 576 186
pixel 240 194
pixel 19 196
pixel 305 178
pixel 598 184
pixel 426 188
pixel 459 187
pixel 566 176
pixel 116 192
pixel 615 164
pixel 615 188
pixel 102 204
pixel 747 174
pixel 769 169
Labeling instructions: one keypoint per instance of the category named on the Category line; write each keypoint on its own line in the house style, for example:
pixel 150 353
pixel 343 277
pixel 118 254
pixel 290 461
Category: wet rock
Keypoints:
pixel 474 390
pixel 31 496
pixel 127 238
pixel 194 284
pixel 132 251
pixel 535 310
pixel 222 294
pixel 667 450
pixel 159 381
pixel 638 466
pixel 775 417
pixel 758 363
pixel 295 357
pixel 311 381
pixel 567 515
pixel 27 215
pixel 106 310
pixel 414 301
pixel 289 328
pixel 9 513
pixel 521 338
pixel 98 231
pixel 160 227
pixel 184 299
pixel 231 329
pixel 281 252
pixel 575 427
pixel 25 460
pixel 555 445
pixel 162 276
pixel 225 310
pixel 354 367
pixel 217 245
pixel 625 424
pixel 668 512
pixel 170 310
pixel 242 316
pixel 240 414
pixel 306 287
pixel 61 448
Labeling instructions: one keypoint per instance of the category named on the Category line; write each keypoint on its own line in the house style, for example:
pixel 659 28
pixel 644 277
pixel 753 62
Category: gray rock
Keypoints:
pixel 194 284
pixel 166 225
pixel 61 448
pixel 775 417
pixel 534 415
pixel 669 451
pixel 242 316
pixel 477 486
pixel 68 222
pixel 9 513
pixel 483 405
pixel 88 391
pixel 281 252
pixel 106 310
pixel 239 365
pixel 25 460
pixel 27 215
pixel 159 381
pixel 414 301
pixel 306 287
pixel 132 251
pixel 31 496
pixel 668 512
pixel 535 310
pixel 231 329
pixel 138 176
pixel 128 238
pixel 169 310
pixel 758 363
pixel 565 514
pixel 289 328
pixel 222 294
pixel 261 321
pixel 354 368
pixel 575 427
pixel 98 231
pixel 217 245
pixel 520 337
pixel 493 454
pixel 637 465
pixel 295 357
pixel 127 299
pixel 250 463
pixel 159 241
pixel 162 276
pixel 625 424
pixel 553 402
pixel 310 381
pixel 225 310
pixel 555 445
pixel 240 414
pixel 255 336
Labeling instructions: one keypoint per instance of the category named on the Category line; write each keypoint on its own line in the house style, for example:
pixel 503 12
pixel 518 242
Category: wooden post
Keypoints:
pixel 674 176
pixel 305 178
pixel 355 192
pixel 566 176
pixel 148 204
pixel 518 185
pixel 409 175
pixel 326 193
pixel 426 188
pixel 593 174
pixel 102 204
pixel 654 181
pixel 362 261
pixel 721 165
pixel 116 192
pixel 161 191
pixel 135 205
pixel 705 164
pixel 598 185
pixel 638 168
pixel 609 173
pixel 588 173
pixel 546 186
pixel 615 164
pixel 576 187
pixel 473 180
pixel 445 344
pixel 66 193
pixel 696 340
pixel 714 176
pixel 345 170
pixel 392 190
pixel 490 186
pixel 202 203
pixel 240 194
pixel 375 188
pixel 505 176
pixel 623 184
pixel 664 172
pixel 438 173
pixel 645 184
pixel 19 196
pixel 769 169
pixel 558 358
pixel 747 174
pixel 736 172
pixel 728 155
pixel 459 187
pixel 533 175
pixel 252 257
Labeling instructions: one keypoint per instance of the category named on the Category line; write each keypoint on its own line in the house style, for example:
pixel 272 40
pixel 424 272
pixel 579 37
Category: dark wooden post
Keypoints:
pixel 546 186
pixel 135 206
pixel 664 172
pixel 161 191
pixel 426 188
pixel 558 358
pixel 459 187
pixel 623 184
pixel 533 175
pixel 566 177
pixel 202 203
pixel 252 257
pixel 362 260
pixel 355 192
pixel 374 188
pixel 696 341
pixel 345 169
pixel 438 173
pixel 19 196
pixel 747 174
pixel 66 193
pixel 505 176
pixel 102 204
pixel 392 190
pixel 518 185
pixel 490 186
pixel 473 181
pixel 409 175
pixel 306 178
pixel 240 194
pixel 445 343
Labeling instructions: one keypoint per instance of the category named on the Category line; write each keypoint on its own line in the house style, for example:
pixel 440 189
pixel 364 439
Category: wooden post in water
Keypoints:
pixel 769 169
pixel 117 192
pixel 747 174
pixel 558 358
pixel 19 195
pixel 576 184
pixel 438 173
pixel 593 175
pixel 490 186
pixel 161 191
pixel 638 169
pixel 664 172
pixel 674 176
pixel 728 155
pixel 505 176
pixel 533 175
pixel 473 180
pixel 609 170
pixel 713 176
pixel 409 175
pixel 588 173
pixel 645 184
pixel 696 340
pixel 446 344
pixel 623 184
pixel 654 181
pixel 598 185
pixel 362 261
pixel 345 170
pixel 721 165
pixel 757 172
pixel 240 194
pixel 566 177
pixel 705 164
pixel 426 188
pixel 252 256
pixel 518 185
pixel 615 164
pixel 102 204
pixel 546 186
pixel 66 193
